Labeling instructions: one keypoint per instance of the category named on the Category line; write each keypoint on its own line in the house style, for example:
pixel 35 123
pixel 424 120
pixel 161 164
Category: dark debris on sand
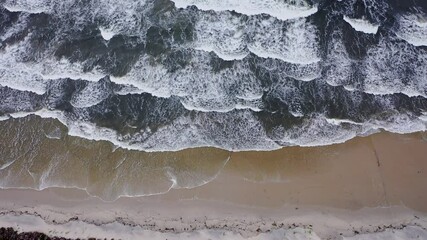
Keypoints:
pixel 11 234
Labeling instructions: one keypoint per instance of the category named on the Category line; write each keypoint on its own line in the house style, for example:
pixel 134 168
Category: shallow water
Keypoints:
pixel 379 170
pixel 37 153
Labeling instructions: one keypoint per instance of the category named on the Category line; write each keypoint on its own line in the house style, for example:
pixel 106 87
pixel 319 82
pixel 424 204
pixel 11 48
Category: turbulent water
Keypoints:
pixel 161 75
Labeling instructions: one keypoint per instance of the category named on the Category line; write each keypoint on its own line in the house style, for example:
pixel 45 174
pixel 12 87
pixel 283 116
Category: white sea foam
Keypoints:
pixel 413 29
pixel 4 118
pixel 92 94
pixel 52 70
pixel 34 76
pixel 222 109
pixel 387 69
pixel 117 17
pixel 399 123
pixel 423 117
pixel 316 131
pixel 196 84
pixel 54 134
pixel 19 26
pixel 33 6
pixel 238 131
pixel 362 25
pixel 320 131
pixel 18 75
pixel 6 165
pixel 283 10
pixel 223 34
pixel 23 6
pixel 22 80
pixel 43 113
pixel 232 38
pixel 293 42
pixel 340 65
pixel 107 34
pixel 383 71
pixel 250 98
pixel 336 121
pixel 227 57
pixel 211 94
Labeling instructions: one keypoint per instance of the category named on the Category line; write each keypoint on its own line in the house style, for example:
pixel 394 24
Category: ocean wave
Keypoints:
pixel 21 75
pixel 196 83
pixel 295 42
pixel 118 17
pixel 282 10
pixel 362 25
pixel 388 67
pixel 22 6
pixel 240 131
pixel 233 38
pixel 139 72
pixel 413 28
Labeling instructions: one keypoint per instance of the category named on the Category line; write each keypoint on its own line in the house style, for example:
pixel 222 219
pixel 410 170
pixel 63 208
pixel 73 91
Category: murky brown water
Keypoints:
pixel 32 158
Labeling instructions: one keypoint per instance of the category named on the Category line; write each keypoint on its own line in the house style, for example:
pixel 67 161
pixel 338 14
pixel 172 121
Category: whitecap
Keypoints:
pixel 282 10
pixel 106 33
pixel 413 29
pixel 362 25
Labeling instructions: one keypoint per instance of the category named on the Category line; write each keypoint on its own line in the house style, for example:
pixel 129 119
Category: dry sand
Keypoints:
pixel 371 184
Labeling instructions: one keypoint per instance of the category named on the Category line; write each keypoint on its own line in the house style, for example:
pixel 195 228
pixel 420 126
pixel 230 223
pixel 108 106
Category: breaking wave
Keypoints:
pixel 160 75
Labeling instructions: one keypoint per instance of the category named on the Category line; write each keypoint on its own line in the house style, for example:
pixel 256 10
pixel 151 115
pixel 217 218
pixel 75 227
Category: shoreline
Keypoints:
pixel 377 170
pixel 55 118
pixel 366 185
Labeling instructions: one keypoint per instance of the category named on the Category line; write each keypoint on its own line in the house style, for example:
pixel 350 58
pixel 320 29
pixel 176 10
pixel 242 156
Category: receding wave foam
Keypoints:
pixel 283 10
pixel 335 131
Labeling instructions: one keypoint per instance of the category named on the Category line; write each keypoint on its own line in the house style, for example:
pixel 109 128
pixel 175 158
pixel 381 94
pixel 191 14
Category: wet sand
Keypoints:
pixel 362 186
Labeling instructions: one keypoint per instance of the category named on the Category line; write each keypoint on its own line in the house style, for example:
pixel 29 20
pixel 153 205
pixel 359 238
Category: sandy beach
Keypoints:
pixel 366 185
